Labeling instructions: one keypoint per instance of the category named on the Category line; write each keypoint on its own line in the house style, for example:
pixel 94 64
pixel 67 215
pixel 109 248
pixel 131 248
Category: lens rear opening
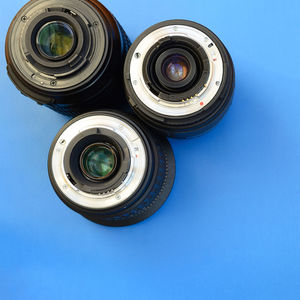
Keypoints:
pixel 97 156
pixel 56 40
pixel 176 69
pixel 98 161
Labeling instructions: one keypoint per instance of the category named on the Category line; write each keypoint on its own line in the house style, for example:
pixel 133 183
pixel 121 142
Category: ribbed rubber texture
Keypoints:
pixel 126 40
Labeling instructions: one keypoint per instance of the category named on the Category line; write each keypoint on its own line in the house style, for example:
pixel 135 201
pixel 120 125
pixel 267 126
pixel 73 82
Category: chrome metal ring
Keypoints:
pixel 186 106
pixel 133 179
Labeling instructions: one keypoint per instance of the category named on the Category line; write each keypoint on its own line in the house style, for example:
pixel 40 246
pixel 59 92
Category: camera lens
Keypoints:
pixel 55 40
pixel 67 55
pixel 111 169
pixel 98 161
pixel 179 78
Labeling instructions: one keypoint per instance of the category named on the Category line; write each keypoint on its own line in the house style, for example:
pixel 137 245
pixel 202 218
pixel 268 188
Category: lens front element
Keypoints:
pixel 98 161
pixel 55 40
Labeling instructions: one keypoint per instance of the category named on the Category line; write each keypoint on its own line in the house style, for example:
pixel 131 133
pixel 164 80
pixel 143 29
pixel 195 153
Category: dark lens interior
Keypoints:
pixel 98 161
pixel 56 39
pixel 175 68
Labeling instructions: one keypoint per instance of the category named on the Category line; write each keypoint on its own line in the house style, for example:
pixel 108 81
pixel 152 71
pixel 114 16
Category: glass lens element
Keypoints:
pixel 98 161
pixel 175 68
pixel 56 39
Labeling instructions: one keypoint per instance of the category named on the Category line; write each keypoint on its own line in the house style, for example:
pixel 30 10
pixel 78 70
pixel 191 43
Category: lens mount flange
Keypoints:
pixel 203 93
pixel 113 196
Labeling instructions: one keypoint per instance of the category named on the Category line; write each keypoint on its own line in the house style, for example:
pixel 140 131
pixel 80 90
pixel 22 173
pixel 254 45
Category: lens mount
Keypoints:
pixel 195 80
pixel 141 179
pixel 62 68
pixel 87 138
pixel 75 139
pixel 194 107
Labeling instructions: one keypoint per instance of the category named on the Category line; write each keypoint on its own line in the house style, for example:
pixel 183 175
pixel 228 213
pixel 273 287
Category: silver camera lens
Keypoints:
pixel 179 78
pixel 110 169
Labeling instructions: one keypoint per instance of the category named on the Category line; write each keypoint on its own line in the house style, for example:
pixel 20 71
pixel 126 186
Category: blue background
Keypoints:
pixel 230 228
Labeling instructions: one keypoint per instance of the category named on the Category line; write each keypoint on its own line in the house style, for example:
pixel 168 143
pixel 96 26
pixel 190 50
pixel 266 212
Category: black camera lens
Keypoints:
pixel 67 55
pixel 111 169
pixel 179 78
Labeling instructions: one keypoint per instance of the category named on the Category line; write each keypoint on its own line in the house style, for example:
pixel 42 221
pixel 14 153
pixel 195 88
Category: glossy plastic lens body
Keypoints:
pixel 56 39
pixel 98 161
pixel 115 171
pixel 179 78
pixel 68 55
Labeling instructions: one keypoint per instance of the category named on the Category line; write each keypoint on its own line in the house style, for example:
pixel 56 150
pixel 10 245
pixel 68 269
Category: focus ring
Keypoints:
pixel 126 40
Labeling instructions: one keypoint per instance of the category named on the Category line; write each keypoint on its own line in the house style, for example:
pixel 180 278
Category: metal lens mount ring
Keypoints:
pixel 135 175
pixel 186 106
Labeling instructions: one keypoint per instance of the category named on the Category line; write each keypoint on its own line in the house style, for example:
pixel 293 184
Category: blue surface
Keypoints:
pixel 230 228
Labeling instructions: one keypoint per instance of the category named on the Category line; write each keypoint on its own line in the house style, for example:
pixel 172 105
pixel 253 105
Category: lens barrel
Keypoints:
pixel 111 169
pixel 67 55
pixel 179 78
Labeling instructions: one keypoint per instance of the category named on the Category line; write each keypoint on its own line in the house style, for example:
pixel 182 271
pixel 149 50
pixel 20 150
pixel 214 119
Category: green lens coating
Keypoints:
pixel 56 39
pixel 98 161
